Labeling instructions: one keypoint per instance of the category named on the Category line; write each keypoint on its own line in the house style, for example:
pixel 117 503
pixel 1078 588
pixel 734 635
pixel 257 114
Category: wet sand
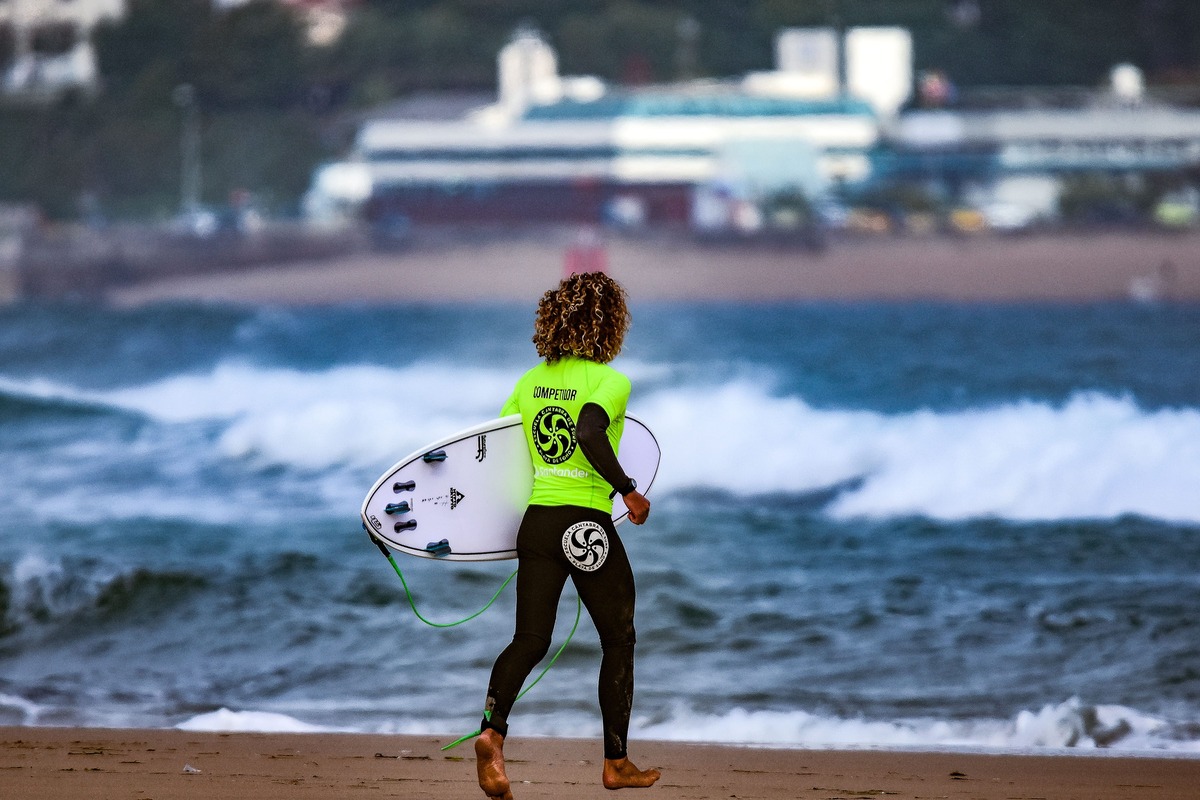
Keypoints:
pixel 1149 267
pixel 55 763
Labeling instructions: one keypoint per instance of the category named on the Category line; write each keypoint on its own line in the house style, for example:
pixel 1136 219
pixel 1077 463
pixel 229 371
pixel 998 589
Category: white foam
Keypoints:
pixel 249 721
pixel 41 389
pixel 42 587
pixel 1070 724
pixel 27 710
pixel 1067 725
pixel 359 414
pixel 1094 456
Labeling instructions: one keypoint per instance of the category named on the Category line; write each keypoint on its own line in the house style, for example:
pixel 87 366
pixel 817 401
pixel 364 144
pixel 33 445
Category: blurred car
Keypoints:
pixel 967 220
pixel 1008 217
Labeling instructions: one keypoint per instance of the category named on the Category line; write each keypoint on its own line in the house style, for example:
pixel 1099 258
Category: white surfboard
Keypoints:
pixel 461 498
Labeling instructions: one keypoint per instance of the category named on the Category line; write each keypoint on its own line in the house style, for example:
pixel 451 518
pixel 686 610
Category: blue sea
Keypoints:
pixel 906 525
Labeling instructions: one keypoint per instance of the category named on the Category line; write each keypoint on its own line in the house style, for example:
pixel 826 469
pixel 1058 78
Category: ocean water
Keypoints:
pixel 874 525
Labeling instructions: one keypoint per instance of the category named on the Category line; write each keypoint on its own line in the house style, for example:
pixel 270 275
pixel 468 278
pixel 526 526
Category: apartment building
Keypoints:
pixel 50 44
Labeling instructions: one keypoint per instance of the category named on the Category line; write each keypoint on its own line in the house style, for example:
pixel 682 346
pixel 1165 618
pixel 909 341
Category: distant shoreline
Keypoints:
pixel 1075 267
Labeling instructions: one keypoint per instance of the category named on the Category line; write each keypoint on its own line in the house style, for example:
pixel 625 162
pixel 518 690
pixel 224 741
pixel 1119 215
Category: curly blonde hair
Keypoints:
pixel 585 316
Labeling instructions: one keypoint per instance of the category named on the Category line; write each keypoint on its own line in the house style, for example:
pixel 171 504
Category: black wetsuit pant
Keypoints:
pixel 607 592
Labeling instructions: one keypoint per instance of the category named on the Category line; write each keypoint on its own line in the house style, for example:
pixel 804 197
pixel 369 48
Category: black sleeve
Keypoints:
pixel 592 432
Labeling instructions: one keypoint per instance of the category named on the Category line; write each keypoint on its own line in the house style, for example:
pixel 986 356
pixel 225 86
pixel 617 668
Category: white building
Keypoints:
pixel 41 73
pixel 46 74
pixel 1017 155
pixel 556 148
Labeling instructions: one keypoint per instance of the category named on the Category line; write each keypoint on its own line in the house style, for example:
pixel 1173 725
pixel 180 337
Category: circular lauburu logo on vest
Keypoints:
pixel 554 434
pixel 586 546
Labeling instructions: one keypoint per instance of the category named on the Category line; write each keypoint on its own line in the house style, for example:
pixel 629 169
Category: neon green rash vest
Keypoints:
pixel 548 398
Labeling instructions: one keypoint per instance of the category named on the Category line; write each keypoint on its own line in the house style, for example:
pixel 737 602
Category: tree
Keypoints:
pixel 630 42
pixel 149 51
pixel 252 56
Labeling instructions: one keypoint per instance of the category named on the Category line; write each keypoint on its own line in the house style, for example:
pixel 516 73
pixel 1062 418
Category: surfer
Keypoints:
pixel 572 408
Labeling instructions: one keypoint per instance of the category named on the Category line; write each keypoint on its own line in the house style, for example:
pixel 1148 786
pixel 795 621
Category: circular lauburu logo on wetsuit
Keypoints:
pixel 586 546
pixel 554 434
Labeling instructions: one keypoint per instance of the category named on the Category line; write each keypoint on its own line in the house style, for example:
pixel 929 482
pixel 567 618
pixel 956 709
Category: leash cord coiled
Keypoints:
pixel 413 605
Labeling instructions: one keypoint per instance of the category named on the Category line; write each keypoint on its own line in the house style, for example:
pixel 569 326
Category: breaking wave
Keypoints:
pixel 1092 456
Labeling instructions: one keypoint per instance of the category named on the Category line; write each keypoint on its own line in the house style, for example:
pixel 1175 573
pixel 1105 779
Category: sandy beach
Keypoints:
pixel 1073 267
pixel 56 763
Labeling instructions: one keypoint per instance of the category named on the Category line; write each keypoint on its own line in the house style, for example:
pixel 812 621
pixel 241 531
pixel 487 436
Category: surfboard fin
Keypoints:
pixel 436 455
pixel 438 549
pixel 407 486
pixel 407 525
pixel 397 508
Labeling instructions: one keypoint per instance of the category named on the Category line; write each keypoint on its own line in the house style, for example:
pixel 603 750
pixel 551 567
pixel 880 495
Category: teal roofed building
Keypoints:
pixel 570 149
pixel 701 101
pixel 720 155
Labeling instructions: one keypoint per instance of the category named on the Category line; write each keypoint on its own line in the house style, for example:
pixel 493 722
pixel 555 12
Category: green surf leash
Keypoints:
pixel 488 714
pixel 413 605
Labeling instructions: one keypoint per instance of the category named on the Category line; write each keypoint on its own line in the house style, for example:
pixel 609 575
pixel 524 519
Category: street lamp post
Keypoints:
pixel 189 173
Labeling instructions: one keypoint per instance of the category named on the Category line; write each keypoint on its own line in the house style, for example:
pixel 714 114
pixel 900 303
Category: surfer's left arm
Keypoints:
pixel 592 432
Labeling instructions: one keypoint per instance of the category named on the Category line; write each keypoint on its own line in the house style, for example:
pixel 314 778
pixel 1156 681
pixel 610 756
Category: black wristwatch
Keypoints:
pixel 624 490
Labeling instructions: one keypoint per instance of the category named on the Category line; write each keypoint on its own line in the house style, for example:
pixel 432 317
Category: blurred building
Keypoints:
pixel 833 123
pixel 52 50
pixel 562 148
pixel 1012 151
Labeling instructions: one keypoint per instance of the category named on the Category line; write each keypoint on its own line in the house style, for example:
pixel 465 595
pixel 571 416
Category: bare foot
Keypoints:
pixel 620 773
pixel 489 762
